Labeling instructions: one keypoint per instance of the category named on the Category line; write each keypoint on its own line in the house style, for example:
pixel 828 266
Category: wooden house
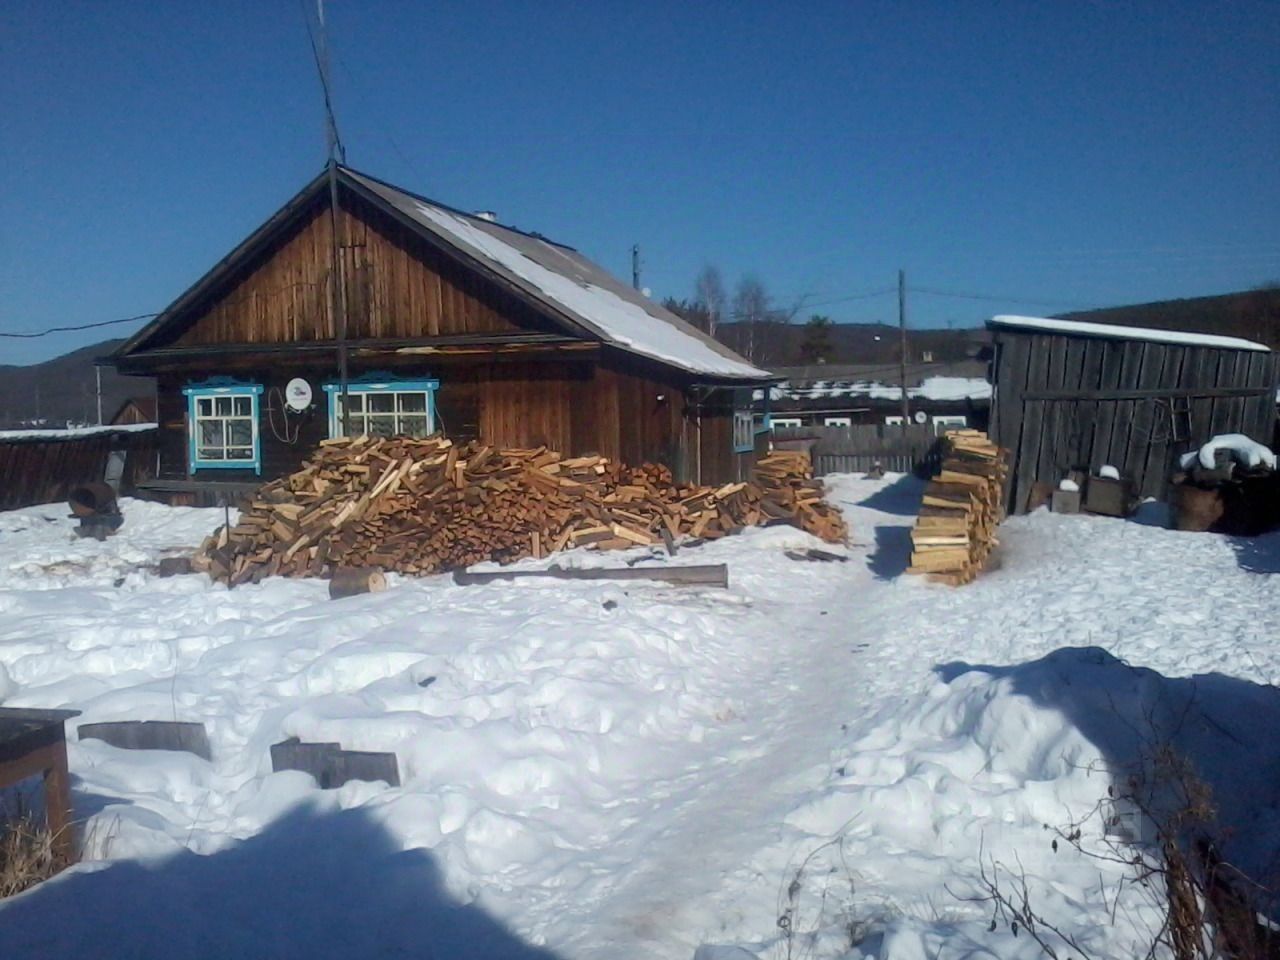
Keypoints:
pixel 446 322
pixel 939 395
pixel 1077 396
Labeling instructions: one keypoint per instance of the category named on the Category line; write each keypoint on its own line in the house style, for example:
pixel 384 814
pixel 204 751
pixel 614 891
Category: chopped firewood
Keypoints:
pixel 425 506
pixel 955 532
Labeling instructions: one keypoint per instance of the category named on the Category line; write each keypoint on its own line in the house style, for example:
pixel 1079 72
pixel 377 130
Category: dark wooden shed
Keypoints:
pixel 1077 396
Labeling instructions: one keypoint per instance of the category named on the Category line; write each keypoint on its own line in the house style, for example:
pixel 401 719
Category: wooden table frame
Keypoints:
pixel 41 749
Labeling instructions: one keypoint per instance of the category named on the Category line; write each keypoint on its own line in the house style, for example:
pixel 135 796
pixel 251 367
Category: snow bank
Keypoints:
pixel 619 769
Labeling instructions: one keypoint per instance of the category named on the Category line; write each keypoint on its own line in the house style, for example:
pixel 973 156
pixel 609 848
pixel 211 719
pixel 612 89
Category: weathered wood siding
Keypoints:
pixel 614 405
pixel 397 286
pixel 1077 403
pixel 37 470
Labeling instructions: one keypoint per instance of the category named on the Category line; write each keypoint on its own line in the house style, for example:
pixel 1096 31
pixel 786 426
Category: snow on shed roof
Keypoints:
pixel 572 284
pixel 1115 331
pixel 73 433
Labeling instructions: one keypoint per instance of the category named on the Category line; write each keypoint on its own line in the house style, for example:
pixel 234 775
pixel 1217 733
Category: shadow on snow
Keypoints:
pixel 1224 726
pixel 313 885
pixel 901 498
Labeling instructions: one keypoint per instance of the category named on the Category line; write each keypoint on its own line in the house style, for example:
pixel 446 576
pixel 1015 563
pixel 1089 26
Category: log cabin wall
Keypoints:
pixel 616 408
pixel 397 286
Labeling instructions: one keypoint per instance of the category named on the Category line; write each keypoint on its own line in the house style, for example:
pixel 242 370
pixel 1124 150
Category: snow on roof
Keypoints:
pixel 572 283
pixel 931 388
pixel 72 433
pixel 1083 329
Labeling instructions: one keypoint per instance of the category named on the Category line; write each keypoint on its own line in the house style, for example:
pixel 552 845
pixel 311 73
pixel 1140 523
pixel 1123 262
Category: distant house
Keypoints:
pixel 944 395
pixel 135 410
pixel 453 324
pixel 1072 395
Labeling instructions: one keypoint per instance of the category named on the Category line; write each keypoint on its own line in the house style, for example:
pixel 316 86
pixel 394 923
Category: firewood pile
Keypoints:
pixel 962 505
pixel 424 506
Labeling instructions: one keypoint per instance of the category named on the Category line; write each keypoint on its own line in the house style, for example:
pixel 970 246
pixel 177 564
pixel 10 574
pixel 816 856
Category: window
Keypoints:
pixel 893 421
pixel 837 421
pixel 385 409
pixel 942 424
pixel 744 431
pixel 926 356
pixel 777 422
pixel 222 426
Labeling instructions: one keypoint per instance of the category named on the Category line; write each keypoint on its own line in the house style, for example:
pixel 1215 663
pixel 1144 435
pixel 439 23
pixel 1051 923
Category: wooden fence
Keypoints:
pixel 858 448
pixel 44 469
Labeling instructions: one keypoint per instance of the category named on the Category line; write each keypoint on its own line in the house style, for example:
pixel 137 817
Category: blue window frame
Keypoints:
pixel 385 407
pixel 222 426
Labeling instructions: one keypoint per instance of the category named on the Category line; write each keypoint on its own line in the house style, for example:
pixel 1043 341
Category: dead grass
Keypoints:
pixel 26 854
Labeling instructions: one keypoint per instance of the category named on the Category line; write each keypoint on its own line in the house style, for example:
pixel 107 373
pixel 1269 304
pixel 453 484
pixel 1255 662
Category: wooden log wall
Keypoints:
pixel 1077 403
pixel 614 406
pixel 397 286
pixel 39 470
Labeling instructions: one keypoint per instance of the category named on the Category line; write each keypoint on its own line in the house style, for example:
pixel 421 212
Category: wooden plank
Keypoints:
pixel 709 575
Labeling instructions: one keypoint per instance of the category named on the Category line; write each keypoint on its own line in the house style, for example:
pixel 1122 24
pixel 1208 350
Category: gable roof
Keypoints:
pixel 558 280
pixel 1081 328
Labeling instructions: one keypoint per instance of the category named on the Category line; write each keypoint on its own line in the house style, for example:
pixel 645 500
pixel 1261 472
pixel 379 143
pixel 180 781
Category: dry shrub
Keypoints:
pixel 26 854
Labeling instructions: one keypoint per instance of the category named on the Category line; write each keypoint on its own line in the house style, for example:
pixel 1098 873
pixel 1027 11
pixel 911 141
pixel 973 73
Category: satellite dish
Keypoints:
pixel 297 394
pixel 920 416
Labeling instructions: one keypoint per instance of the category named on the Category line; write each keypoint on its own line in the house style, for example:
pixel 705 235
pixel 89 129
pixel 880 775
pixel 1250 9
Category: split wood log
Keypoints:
pixel 352 581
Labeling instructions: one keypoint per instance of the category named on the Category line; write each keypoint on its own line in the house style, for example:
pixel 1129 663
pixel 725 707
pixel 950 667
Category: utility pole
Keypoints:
pixel 97 370
pixel 902 336
pixel 337 292
pixel 635 265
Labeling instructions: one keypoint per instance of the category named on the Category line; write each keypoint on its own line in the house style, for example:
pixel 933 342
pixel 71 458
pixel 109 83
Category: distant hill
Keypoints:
pixel 779 345
pixel 1251 314
pixel 65 389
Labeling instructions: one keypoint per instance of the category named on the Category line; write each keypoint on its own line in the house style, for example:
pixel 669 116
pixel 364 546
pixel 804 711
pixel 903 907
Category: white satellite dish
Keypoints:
pixel 297 394
pixel 920 416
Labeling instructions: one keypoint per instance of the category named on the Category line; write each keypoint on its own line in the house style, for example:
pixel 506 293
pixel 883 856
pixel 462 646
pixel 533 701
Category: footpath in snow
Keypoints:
pixel 596 770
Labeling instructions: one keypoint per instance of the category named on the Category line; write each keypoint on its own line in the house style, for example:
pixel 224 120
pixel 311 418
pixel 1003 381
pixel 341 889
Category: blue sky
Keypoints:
pixel 1072 154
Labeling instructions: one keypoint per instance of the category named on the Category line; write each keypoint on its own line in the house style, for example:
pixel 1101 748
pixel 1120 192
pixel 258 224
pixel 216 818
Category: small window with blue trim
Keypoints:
pixel 389 408
pixel 222 426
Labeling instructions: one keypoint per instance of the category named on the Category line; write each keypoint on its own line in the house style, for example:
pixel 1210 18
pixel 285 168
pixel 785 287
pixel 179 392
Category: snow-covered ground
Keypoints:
pixel 601 770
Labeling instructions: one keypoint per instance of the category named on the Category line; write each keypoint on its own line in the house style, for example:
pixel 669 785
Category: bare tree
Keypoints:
pixel 751 309
pixel 708 292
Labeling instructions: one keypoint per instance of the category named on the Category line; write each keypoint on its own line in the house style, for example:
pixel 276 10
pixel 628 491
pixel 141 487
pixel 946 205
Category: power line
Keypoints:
pixel 994 298
pixel 83 326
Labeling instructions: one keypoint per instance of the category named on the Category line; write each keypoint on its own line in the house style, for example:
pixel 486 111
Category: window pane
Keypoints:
pixel 239 453
pixel 222 406
pixel 209 453
pixel 381 402
pixel 382 426
pixel 239 432
pixel 210 433
pixel 355 402
pixel 243 406
pixel 412 402
pixel 412 425
pixel 204 406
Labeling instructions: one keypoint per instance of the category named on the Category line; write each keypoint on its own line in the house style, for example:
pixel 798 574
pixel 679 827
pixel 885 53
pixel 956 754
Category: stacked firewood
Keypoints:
pixel 962 505
pixel 423 506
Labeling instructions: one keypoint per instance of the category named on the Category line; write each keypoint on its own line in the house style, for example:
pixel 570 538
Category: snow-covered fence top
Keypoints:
pixel 71 433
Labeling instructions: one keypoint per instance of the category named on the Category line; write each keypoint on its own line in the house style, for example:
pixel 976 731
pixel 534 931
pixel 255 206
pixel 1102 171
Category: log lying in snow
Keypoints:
pixel 350 581
pixel 955 531
pixel 423 506
pixel 703 575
